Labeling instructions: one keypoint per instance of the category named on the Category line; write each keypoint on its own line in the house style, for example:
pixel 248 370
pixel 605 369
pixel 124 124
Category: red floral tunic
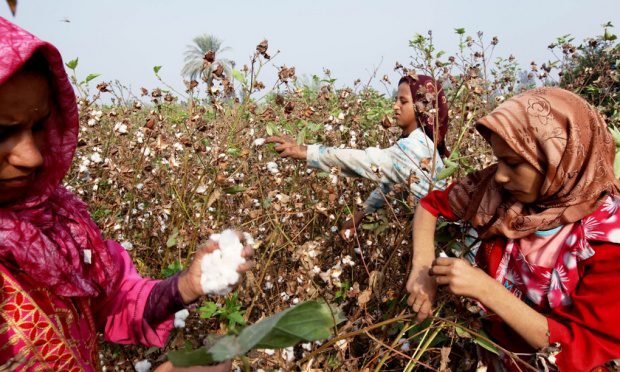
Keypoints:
pixel 580 295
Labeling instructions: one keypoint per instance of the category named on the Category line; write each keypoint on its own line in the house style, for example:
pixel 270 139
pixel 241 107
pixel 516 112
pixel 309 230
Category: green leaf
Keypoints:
pixel 208 309
pixel 449 170
pixel 172 269
pixel 91 77
pixel 460 31
pixel 236 317
pixel 301 136
pixel 156 69
pixel 271 128
pixel 234 189
pixel 72 64
pixel 237 75
pixel 485 344
pixel 461 332
pixel 308 321
pixel 172 239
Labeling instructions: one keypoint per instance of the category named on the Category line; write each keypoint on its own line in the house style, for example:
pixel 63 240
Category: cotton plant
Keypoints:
pixel 303 323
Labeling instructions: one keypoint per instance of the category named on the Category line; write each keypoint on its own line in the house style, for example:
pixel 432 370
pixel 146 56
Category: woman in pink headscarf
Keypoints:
pixel 60 282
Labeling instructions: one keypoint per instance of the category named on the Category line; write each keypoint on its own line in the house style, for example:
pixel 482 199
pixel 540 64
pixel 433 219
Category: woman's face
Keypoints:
pixel 404 111
pixel 515 174
pixel 24 107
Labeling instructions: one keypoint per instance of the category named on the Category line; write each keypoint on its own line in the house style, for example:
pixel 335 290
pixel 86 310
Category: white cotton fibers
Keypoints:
pixel 272 167
pixel 259 142
pixel 142 366
pixel 219 268
pixel 180 317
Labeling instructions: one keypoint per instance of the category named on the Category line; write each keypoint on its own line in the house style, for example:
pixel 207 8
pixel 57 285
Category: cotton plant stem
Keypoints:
pixel 331 342
pixel 247 366
pixel 420 352
pixel 391 348
pixel 406 327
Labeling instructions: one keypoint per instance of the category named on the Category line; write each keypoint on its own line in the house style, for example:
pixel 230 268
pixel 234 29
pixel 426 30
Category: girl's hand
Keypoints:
pixel 351 225
pixel 288 147
pixel 189 282
pixel 222 367
pixel 422 289
pixel 461 278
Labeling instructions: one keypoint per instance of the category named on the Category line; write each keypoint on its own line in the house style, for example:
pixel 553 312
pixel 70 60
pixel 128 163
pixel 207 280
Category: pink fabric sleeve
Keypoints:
pixel 121 315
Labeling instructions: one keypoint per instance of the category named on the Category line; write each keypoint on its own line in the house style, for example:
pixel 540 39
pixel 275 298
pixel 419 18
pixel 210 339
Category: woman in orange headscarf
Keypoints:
pixel 548 214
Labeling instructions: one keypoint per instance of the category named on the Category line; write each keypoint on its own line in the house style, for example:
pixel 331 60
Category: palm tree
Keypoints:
pixel 194 62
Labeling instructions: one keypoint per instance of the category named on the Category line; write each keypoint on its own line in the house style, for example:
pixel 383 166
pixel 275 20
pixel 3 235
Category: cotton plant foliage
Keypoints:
pixel 308 321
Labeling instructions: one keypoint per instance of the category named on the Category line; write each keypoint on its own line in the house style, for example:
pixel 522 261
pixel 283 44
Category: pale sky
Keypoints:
pixel 125 39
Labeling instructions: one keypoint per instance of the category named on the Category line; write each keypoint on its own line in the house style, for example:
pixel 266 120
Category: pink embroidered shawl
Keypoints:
pixel 52 303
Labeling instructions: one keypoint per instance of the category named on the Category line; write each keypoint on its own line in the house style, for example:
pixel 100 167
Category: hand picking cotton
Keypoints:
pixel 219 268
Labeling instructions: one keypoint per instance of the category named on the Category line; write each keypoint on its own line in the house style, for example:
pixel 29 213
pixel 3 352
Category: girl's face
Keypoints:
pixel 24 107
pixel 514 174
pixel 404 111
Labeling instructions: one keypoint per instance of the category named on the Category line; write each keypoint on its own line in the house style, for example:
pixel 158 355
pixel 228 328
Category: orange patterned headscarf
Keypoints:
pixel 564 138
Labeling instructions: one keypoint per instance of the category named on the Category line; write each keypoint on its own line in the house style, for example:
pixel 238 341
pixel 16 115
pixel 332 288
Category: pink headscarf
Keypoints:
pixel 435 126
pixel 49 233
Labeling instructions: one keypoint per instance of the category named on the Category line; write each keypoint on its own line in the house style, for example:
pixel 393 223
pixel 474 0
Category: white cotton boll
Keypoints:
pixel 120 127
pixel 288 354
pixel 259 142
pixel 249 240
pixel 179 318
pixel 96 157
pixel 127 245
pixel 347 260
pixel 272 167
pixel 405 347
pixel 347 233
pixel 142 366
pixel 219 268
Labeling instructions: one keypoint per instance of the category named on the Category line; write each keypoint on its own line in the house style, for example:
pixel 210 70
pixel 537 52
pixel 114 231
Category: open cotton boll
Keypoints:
pixel 179 318
pixel 272 167
pixel 142 366
pixel 219 268
pixel 259 142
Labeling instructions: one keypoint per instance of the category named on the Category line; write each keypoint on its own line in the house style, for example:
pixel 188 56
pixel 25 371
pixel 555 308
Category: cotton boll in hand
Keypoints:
pixel 219 268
